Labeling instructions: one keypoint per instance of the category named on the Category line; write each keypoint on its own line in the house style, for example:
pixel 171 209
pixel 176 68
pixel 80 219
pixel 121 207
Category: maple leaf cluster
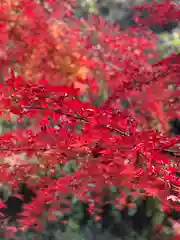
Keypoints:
pixel 60 59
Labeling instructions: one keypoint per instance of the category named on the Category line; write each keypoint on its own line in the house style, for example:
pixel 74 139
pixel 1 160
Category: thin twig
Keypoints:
pixel 79 117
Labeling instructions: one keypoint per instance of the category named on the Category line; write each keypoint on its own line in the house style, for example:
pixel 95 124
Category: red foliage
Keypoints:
pixel 110 145
pixel 159 12
pixel 109 150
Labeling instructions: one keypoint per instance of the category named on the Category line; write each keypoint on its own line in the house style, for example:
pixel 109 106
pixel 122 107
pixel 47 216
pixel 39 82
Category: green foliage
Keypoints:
pixel 169 43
